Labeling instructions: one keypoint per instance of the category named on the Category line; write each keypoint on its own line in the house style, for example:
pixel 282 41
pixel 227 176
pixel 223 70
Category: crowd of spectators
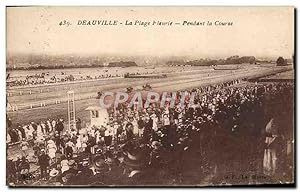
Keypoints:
pixel 40 79
pixel 31 131
pixel 45 78
pixel 223 134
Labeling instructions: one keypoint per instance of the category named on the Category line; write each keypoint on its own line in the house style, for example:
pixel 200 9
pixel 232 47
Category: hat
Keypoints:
pixel 160 134
pixel 98 151
pixel 135 158
pixel 99 163
pixel 53 172
pixel 66 177
pixel 153 115
pixel 155 144
pixel 71 162
pixel 85 163
pixel 111 148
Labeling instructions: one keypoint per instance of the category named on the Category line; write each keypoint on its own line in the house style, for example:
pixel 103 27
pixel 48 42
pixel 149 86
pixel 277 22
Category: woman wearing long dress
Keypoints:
pixel 20 138
pixel 135 127
pixel 50 129
pixel 270 157
pixel 43 126
pixel 98 137
pixel 92 132
pixel 78 144
pixel 30 132
pixel 64 164
pixel 84 140
pixel 53 123
pixel 24 147
pixel 39 133
pixel 69 149
pixel 26 130
pixel 155 122
pixel 51 148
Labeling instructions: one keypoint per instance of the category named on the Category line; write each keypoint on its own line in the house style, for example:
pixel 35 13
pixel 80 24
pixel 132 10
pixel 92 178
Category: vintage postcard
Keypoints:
pixel 149 96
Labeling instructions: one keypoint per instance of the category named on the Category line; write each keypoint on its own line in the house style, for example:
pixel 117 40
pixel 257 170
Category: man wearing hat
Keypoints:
pixel 100 170
pixel 116 170
pixel 58 140
pixel 141 125
pixel 129 131
pixel 43 161
pixel 24 167
pixel 72 167
pixel 119 130
pixel 108 135
pixel 60 126
pixel 18 161
pixel 136 161
pixel 147 129
pixel 51 149
pixel 155 155
pixel 84 175
pixel 91 142
pixel 69 176
pixel 69 148
pixel 78 123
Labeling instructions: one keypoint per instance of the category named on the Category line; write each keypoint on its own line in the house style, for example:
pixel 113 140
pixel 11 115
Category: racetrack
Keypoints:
pixel 54 97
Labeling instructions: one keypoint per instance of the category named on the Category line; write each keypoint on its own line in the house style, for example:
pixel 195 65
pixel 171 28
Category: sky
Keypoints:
pixel 257 31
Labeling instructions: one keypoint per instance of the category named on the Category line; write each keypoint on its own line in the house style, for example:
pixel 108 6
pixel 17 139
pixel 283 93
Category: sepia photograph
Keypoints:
pixel 171 96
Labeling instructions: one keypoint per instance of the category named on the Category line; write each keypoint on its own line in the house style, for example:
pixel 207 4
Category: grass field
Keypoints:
pixel 283 75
